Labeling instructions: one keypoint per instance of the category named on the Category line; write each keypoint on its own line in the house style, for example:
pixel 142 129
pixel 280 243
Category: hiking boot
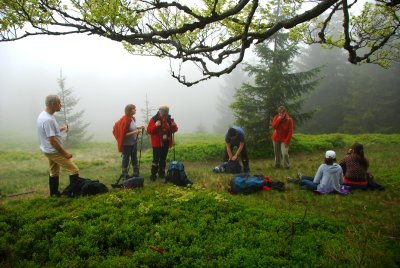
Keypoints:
pixel 135 172
pixel 53 184
pixel 153 177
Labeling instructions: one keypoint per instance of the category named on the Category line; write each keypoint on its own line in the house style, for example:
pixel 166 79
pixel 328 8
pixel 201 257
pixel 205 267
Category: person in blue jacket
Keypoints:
pixel 235 137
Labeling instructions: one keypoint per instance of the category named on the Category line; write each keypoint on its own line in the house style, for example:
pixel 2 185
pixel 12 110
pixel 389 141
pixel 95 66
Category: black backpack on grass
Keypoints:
pixel 176 174
pixel 84 187
pixel 232 167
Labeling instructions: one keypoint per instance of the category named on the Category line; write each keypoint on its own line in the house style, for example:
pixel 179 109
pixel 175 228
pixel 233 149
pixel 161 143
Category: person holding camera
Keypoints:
pixel 161 127
pixel 282 124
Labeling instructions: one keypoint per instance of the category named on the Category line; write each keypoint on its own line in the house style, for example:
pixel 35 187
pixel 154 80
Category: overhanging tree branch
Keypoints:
pixel 213 35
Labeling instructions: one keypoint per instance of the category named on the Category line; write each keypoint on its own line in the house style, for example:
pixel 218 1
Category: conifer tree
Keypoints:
pixel 275 84
pixel 147 113
pixel 77 129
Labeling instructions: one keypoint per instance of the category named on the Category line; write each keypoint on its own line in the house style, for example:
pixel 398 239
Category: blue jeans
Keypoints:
pixel 307 182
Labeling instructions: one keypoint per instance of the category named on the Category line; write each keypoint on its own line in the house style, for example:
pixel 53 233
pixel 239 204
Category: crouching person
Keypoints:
pixel 235 137
pixel 51 144
pixel 329 177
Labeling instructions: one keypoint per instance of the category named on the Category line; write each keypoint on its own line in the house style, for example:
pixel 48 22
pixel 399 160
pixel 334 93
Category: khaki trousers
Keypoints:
pixel 56 161
pixel 281 152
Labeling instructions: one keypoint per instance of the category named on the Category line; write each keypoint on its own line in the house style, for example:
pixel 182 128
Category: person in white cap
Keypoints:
pixel 161 127
pixel 329 177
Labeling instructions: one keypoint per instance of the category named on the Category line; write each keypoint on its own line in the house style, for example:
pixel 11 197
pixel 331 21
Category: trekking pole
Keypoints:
pixel 173 143
pixel 141 145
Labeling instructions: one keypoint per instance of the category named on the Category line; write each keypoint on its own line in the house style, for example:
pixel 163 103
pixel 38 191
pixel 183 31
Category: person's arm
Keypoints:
pixel 318 175
pixel 229 151
pixel 290 132
pixel 275 122
pixel 341 179
pixel 152 128
pixel 133 132
pixel 56 145
pixel 174 126
pixel 239 150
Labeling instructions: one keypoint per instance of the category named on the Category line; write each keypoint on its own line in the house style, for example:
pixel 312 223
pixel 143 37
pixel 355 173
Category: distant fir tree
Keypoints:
pixel 147 113
pixel 275 84
pixel 77 133
pixel 227 91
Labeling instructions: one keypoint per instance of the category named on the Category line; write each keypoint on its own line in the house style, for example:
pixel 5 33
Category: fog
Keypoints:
pixel 104 76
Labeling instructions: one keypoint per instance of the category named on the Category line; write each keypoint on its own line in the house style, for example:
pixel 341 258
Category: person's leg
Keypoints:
pixel 297 180
pixel 310 185
pixel 154 164
pixel 135 161
pixel 163 161
pixel 357 186
pixel 245 160
pixel 277 153
pixel 126 152
pixel 54 179
pixel 372 184
pixel 285 155
pixel 67 164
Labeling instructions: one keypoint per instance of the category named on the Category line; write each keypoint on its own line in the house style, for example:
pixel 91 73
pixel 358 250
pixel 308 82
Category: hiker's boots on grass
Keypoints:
pixel 53 184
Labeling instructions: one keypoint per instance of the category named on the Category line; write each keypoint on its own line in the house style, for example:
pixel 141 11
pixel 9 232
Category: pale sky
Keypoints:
pixel 103 75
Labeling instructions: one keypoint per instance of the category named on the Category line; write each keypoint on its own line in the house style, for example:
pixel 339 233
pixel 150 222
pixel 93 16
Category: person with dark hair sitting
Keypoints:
pixel 355 168
pixel 329 177
pixel 235 137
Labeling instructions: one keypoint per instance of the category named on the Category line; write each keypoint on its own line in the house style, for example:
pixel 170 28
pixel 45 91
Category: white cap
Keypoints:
pixel 330 154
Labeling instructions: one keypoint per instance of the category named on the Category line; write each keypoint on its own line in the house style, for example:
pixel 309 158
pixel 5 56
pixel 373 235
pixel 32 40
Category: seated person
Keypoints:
pixel 329 177
pixel 355 169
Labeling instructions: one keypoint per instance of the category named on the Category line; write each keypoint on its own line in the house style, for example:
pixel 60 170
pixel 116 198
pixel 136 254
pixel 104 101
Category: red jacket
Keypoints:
pixel 120 128
pixel 283 129
pixel 162 135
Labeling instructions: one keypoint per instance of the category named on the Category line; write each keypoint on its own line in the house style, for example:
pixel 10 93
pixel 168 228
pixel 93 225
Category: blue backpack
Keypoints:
pixel 245 184
pixel 176 174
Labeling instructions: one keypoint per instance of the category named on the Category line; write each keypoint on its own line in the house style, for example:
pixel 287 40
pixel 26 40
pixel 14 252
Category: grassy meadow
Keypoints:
pixel 161 225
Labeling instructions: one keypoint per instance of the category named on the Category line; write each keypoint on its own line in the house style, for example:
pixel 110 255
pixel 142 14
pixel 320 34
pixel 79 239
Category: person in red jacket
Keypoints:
pixel 161 127
pixel 126 133
pixel 282 124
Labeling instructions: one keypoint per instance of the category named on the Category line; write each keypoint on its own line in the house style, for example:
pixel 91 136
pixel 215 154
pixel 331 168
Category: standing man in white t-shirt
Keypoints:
pixel 51 144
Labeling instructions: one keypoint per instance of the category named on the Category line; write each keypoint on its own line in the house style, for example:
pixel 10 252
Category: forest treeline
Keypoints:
pixel 349 98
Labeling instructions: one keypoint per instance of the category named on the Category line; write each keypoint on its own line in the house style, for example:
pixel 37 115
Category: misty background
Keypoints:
pixel 103 76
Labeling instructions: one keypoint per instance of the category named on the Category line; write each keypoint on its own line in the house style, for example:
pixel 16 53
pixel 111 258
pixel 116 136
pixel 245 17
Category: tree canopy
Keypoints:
pixel 211 34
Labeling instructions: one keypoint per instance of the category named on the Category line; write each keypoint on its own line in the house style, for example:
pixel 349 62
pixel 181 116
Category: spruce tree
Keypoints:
pixel 77 129
pixel 147 113
pixel 274 84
